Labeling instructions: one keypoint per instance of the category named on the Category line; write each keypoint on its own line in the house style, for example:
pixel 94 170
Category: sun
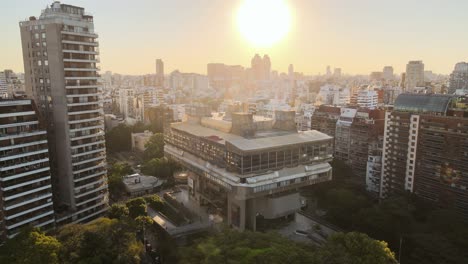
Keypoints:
pixel 264 22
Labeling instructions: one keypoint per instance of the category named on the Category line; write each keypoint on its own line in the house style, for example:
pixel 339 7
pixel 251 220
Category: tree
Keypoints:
pixel 154 148
pixel 117 211
pixel 155 202
pixel 30 246
pixel 119 139
pixel 101 241
pixel 136 207
pixel 115 179
pixel 354 248
pixel 231 246
pixel 342 204
pixel 161 168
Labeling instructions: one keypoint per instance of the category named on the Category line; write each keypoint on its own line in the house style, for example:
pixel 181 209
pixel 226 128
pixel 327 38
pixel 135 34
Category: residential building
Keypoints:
pixel 25 178
pixel 425 147
pixel 343 134
pixel 325 118
pixel 249 167
pixel 387 73
pixel 159 73
pixel 60 58
pixel 139 140
pixel 414 76
pixel 458 79
pixel 366 139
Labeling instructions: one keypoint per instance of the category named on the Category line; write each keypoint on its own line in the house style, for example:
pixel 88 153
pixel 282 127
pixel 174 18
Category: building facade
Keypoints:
pixel 425 149
pixel 414 76
pixel 60 54
pixel 25 178
pixel 250 167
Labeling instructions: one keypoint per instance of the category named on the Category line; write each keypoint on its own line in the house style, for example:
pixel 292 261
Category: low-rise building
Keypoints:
pixel 139 140
pixel 249 167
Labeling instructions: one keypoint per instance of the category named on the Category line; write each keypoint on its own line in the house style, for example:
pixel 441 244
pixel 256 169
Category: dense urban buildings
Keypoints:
pixel 60 55
pixel 425 149
pixel 25 179
pixel 248 165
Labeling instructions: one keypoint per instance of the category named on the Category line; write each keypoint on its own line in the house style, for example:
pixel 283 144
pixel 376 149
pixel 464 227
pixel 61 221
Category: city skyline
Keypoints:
pixel 358 37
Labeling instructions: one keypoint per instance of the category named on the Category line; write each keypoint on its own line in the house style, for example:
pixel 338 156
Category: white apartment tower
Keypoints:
pixel 25 180
pixel 60 54
pixel 414 75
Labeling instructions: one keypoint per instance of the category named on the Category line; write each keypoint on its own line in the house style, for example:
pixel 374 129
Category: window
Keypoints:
pixel 45 53
pixel 38 53
pixel 38 44
pixel 46 63
pixel 43 36
pixel 36 35
pixel 41 80
pixel 39 63
pixel 36 27
pixel 42 26
pixel 44 44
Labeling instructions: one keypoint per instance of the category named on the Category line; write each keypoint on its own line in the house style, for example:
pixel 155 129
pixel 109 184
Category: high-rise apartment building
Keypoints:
pixel 459 78
pixel 159 72
pixel 60 54
pixel 414 75
pixel 387 73
pixel 425 149
pixel 25 179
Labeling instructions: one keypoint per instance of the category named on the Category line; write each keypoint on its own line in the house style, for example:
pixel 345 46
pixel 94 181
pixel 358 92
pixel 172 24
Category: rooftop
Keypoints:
pixel 262 140
pixel 423 103
pixel 138 182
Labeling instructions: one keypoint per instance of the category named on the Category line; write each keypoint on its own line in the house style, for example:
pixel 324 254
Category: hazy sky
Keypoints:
pixel 359 36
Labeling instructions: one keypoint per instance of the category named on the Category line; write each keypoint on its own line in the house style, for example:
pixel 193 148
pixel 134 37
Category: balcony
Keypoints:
pixel 18 148
pixel 24 164
pixel 20 124
pixel 97 183
pixel 24 174
pixel 100 165
pixel 93 150
pixel 95 135
pixel 25 183
pixel 10 157
pixel 13 114
pixel 8 198
pixel 31 199
pixel 86 103
pixel 29 211
pixel 98 118
pixel 97 86
pixel 81 52
pixel 31 219
pixel 83 69
pixel 86 112
pixel 88 160
pixel 99 188
pixel 21 135
pixel 81 34
pixel 95 44
pixel 90 176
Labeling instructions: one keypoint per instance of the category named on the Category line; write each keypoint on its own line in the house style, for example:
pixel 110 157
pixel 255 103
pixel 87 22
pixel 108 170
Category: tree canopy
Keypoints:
pixel 119 139
pixel 101 241
pixel 354 248
pixel 31 246
pixel 154 148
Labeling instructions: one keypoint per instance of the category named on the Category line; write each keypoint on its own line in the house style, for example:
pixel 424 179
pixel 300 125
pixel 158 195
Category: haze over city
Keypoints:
pixel 242 131
pixel 358 36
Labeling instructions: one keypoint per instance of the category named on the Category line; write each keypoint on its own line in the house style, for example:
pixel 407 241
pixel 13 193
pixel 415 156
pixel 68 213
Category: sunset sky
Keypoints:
pixel 359 36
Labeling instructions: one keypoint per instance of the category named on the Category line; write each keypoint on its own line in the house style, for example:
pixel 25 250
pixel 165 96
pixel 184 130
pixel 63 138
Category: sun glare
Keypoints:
pixel 264 22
